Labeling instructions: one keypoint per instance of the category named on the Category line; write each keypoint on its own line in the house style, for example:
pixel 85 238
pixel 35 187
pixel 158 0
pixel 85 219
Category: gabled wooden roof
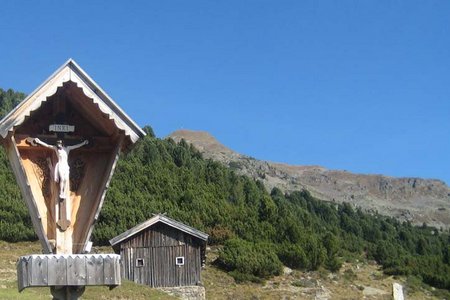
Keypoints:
pixel 70 71
pixel 156 219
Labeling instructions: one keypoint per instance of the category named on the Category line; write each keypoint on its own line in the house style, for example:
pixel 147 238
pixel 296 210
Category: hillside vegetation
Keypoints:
pixel 412 199
pixel 260 231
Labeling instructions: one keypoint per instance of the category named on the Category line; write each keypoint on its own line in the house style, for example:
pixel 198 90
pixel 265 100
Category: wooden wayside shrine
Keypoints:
pixel 63 142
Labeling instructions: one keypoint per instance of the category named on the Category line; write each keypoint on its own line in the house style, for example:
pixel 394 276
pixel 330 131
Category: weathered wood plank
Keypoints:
pixel 39 271
pixel 76 270
pixel 111 270
pixel 22 274
pixel 57 270
pixel 94 270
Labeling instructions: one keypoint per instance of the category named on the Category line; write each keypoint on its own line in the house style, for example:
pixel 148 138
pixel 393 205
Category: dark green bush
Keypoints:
pixel 244 277
pixel 293 256
pixel 246 258
pixel 333 264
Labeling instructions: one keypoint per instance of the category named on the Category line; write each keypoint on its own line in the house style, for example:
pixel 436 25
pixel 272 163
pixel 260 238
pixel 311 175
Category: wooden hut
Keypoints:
pixel 161 252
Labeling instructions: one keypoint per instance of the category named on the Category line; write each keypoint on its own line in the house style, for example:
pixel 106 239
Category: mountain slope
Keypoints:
pixel 413 199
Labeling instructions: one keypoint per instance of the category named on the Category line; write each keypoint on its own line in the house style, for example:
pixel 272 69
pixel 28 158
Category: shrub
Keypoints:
pixel 241 277
pixel 246 259
pixel 293 256
pixel 333 264
pixel 219 234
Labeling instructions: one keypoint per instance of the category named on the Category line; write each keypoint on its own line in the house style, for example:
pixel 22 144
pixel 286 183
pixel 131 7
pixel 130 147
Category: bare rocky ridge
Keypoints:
pixel 414 199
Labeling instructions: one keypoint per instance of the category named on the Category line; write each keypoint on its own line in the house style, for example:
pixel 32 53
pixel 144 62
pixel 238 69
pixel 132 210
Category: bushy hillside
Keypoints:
pixel 15 224
pixel 417 200
pixel 260 231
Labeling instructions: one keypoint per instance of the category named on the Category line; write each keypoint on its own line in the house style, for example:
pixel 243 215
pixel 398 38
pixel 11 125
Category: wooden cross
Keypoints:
pixel 63 223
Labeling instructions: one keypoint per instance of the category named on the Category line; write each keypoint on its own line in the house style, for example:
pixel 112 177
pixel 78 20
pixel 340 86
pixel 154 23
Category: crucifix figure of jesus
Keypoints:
pixel 62 169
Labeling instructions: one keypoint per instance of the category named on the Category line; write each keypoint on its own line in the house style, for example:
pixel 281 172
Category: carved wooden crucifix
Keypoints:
pixel 62 176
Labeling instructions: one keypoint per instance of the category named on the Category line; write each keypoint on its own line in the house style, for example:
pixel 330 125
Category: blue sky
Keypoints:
pixel 362 86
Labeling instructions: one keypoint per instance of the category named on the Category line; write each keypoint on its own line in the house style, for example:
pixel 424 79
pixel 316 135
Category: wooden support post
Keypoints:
pixel 64 232
pixel 67 292
pixel 63 221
